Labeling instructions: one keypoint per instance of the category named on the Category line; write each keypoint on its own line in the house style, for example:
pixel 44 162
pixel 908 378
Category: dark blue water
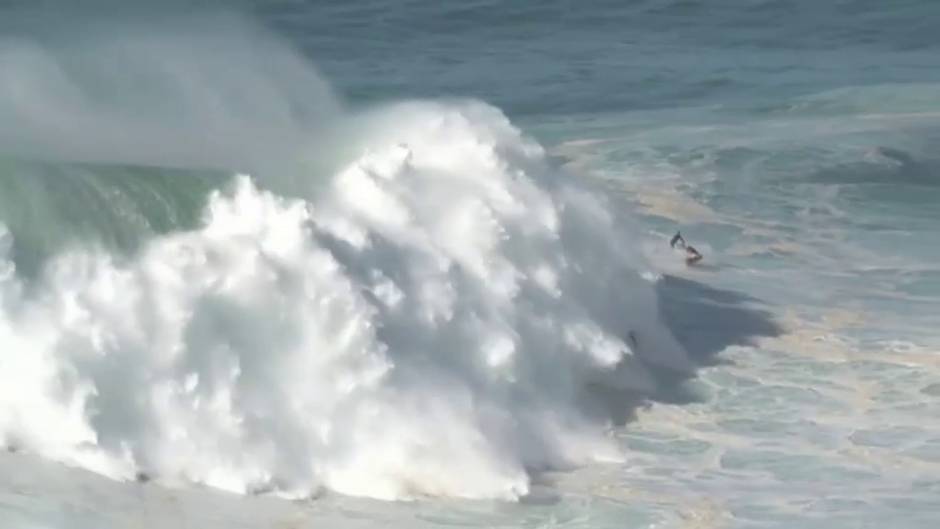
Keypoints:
pixel 565 57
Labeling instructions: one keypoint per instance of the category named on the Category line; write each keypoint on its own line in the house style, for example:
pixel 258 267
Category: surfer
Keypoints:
pixel 691 254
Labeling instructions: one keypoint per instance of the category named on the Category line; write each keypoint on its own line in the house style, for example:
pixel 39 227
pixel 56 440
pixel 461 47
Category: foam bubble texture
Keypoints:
pixel 426 324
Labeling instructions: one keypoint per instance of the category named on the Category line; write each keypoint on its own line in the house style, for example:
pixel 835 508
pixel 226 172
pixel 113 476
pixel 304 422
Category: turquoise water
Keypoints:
pixel 792 142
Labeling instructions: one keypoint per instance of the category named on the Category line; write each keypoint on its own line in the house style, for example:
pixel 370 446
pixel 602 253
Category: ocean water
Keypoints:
pixel 288 263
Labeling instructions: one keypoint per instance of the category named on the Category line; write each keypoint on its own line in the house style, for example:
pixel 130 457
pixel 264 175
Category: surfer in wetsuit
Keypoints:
pixel 691 254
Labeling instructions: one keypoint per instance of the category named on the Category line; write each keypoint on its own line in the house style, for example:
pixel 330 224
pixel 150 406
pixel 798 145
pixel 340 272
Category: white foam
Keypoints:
pixel 424 324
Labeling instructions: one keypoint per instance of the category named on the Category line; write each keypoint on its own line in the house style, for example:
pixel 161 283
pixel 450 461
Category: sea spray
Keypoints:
pixel 403 300
pixel 426 325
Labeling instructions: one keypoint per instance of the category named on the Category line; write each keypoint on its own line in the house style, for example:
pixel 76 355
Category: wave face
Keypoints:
pixel 408 301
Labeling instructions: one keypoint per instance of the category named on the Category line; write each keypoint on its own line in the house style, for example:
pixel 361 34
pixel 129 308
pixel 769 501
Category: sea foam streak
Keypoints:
pixel 431 320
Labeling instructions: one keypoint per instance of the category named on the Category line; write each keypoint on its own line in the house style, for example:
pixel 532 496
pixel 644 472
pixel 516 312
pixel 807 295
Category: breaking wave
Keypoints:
pixel 406 300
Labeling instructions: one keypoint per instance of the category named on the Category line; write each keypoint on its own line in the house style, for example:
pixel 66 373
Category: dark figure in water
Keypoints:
pixel 691 254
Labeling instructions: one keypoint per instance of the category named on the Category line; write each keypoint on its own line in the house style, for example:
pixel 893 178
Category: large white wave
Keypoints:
pixel 434 318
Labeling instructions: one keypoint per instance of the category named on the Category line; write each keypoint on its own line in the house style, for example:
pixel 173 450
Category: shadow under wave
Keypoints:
pixel 705 320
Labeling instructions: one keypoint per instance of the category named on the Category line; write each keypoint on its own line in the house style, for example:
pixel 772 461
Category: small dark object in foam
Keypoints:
pixel 692 255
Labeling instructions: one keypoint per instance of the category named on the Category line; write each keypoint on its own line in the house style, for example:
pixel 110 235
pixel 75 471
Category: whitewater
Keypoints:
pixel 273 265
pixel 427 320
